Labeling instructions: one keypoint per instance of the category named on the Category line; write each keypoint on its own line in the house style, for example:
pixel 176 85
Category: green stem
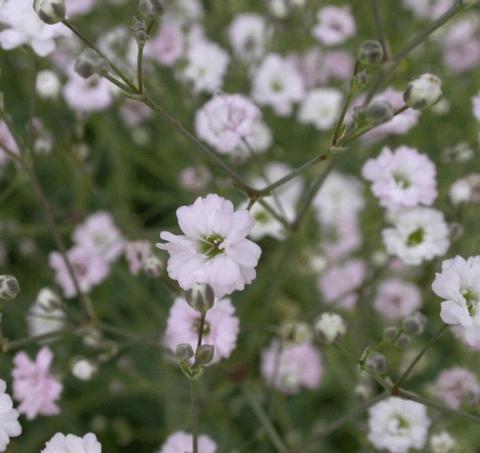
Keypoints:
pixel 141 46
pixel 194 409
pixel 380 30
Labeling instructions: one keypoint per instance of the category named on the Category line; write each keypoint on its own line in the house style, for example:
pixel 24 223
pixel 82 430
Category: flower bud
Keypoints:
pixel 139 30
pixel 84 369
pixel 151 8
pixel 377 363
pixel 390 333
pixel 9 287
pixel 86 64
pixel 370 52
pixel 360 80
pixel 50 11
pixel 330 327
pixel 200 297
pixel 423 92
pixel 153 266
pixel 379 112
pixel 415 323
pixel 403 341
pixel 204 354
pixel 183 352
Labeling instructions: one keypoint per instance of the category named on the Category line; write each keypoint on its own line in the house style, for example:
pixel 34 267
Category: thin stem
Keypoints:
pixel 116 82
pixel 200 329
pixel 121 332
pixel 380 30
pixel 22 342
pixel 141 46
pixel 265 422
pixel 194 409
pixel 409 369
pixel 274 213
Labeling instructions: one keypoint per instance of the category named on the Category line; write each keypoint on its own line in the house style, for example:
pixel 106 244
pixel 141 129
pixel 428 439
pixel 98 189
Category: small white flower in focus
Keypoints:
pixel 47 84
pixel 423 92
pixel 330 326
pixel 50 11
pixel 442 442
pixel 84 369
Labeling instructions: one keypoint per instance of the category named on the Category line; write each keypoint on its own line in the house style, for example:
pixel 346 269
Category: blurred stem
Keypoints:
pixel 274 213
pixel 22 342
pixel 380 30
pixel 200 329
pixel 141 46
pixel 194 408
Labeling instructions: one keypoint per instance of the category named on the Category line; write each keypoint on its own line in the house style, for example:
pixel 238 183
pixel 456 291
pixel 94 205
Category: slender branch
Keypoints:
pixel 200 329
pixel 141 46
pixel 22 342
pixel 274 213
pixel 194 409
pixel 380 30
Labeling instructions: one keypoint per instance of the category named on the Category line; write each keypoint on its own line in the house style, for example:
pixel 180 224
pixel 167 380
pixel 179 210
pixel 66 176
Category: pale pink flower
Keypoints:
pixel 396 298
pixel 167 46
pixel 135 113
pixel 76 7
pixel 220 330
pixel 457 386
pixel 9 426
pixel 87 95
pixel 136 252
pixel 291 367
pixel 248 35
pixel 6 141
pixel 476 106
pixel 341 239
pixel 339 283
pixel 335 25
pixel 278 84
pixel 99 235
pixel 90 270
pixel 226 120
pixel 428 9
pixel 61 443
pixel 213 249
pixel 181 442
pixel 195 178
pixel 402 178
pixel 34 385
pixel 338 64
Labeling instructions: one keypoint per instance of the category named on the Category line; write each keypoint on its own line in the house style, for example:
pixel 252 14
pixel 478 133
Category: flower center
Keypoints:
pixel 196 327
pixel 262 217
pixel 211 245
pixel 401 423
pixel 416 237
pixel 277 86
pixel 472 301
pixel 401 180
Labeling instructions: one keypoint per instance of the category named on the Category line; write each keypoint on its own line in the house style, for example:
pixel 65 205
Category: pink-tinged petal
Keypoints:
pixel 246 253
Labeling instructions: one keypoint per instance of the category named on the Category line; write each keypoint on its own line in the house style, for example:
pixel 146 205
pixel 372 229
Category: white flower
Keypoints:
pixel 442 442
pixel 335 25
pixel 183 11
pixel 248 36
pixel 339 200
pixel 213 249
pixel 46 314
pixel 259 140
pixel 23 26
pixel 419 234
pixel 181 442
pixel 84 369
pixel 320 107
pixel 460 191
pixel 9 426
pixel 423 92
pixel 459 285
pixel 206 66
pixel 277 83
pixel 397 425
pixel 60 443
pixel 330 327
pixel 47 84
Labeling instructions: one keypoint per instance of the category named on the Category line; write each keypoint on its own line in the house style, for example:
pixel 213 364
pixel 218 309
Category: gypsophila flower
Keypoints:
pixel 90 270
pixel 46 314
pixel 220 329
pixel 226 120
pixel 136 253
pixel 334 25
pixel 320 107
pixel 183 11
pixel 278 84
pixel 205 67
pixel 396 298
pixel 99 235
pixel 248 36
pixel 442 442
pixel 418 234
pixel 47 84
pixel 213 249
pixel 87 95
pixel 457 386
pixel 428 9
pixel 397 425
pixel 291 367
pixel 167 46
pixel 423 92
pixel 34 385
pixel 77 7
pixel 466 190
pixel 329 327
pixel 459 285
pixel 181 442
pixel 403 177
pixel 9 425
pixel 84 369
pixel 195 178
pixel 476 106
pixel 341 239
pixel 61 443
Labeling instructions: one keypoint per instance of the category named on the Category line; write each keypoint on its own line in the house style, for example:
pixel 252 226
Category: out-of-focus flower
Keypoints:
pixel 77 7
pixel 278 84
pixel 397 425
pixel 442 442
pixel 330 327
pixel 226 120
pixel 9 426
pixel 320 107
pixel 89 268
pixel 100 236
pixel 476 106
pixel 6 141
pixel 220 330
pixel 86 96
pixel 466 190
pixel 46 314
pixel 134 113
pixel 181 442
pixel 183 11
pixel 205 67
pixel 291 367
pixel 72 444
pixel 213 249
pixel 402 178
pixel 457 386
pixel 167 46
pixel 339 283
pixel 334 25
pixel 428 9
pixel 195 178
pixel 418 234
pixel 396 298
pixel 248 36
pixel 136 253
pixel 459 285
pixel 47 84
pixel 83 369
pixel 23 26
pixel 34 385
